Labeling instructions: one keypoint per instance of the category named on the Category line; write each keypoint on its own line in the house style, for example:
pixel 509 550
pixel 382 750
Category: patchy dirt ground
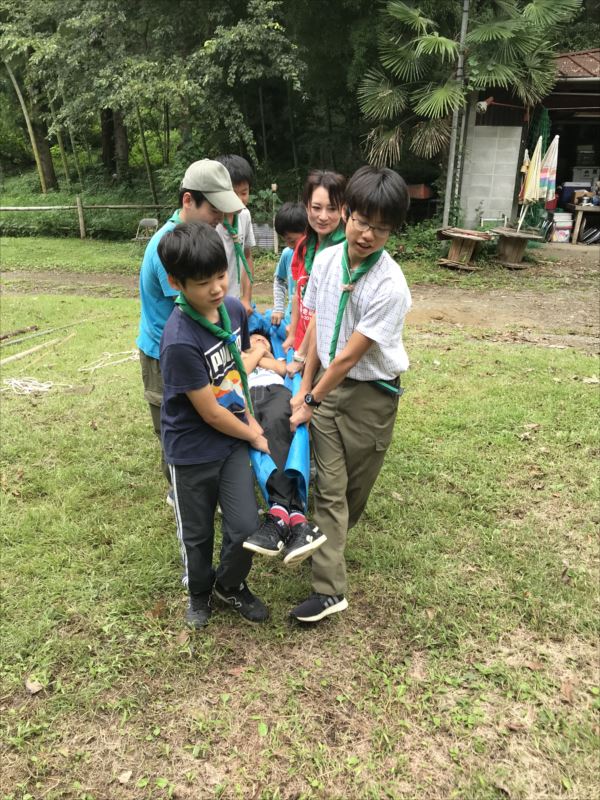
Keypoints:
pixel 565 316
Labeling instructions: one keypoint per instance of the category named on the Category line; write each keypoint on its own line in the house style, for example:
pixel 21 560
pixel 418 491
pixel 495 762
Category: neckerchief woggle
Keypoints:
pixel 223 333
pixel 240 257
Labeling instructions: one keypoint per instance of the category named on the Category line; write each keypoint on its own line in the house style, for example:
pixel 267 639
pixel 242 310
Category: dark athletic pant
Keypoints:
pixel 272 411
pixel 197 489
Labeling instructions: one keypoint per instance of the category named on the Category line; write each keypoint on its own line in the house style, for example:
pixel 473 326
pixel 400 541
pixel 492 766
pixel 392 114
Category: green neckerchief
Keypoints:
pixel 240 257
pixel 335 237
pixel 224 333
pixel 348 281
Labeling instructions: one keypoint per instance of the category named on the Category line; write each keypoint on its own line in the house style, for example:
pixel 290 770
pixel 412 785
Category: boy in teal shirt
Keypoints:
pixel 205 195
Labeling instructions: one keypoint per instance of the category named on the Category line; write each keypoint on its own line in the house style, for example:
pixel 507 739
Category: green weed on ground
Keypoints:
pixel 465 666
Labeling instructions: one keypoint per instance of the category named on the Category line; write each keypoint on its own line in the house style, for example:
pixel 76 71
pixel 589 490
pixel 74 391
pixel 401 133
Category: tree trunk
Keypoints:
pixel 40 130
pixel 61 144
pixel 32 139
pixel 121 146
pixel 329 133
pixel 167 123
pixel 292 129
pixel 107 126
pixel 262 123
pixel 146 157
pixel 75 154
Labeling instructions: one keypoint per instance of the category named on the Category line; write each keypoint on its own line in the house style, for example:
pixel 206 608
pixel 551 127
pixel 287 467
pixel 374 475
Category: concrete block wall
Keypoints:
pixel 490 172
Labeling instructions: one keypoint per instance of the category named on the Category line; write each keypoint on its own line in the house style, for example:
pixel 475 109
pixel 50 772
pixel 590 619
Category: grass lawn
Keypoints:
pixel 465 666
pixel 34 254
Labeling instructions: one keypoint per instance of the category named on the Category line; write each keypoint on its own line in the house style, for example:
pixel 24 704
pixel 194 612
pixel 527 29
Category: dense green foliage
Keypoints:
pixel 424 76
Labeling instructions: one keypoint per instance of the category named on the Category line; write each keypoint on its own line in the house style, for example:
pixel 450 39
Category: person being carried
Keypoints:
pixel 237 233
pixel 290 224
pixel 285 528
pixel 351 381
pixel 205 195
pixel 206 423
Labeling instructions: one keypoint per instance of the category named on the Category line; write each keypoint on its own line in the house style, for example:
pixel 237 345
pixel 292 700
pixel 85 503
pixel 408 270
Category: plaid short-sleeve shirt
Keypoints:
pixel 376 308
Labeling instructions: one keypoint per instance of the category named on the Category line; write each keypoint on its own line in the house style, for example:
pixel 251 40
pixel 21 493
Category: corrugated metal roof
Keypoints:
pixel 580 65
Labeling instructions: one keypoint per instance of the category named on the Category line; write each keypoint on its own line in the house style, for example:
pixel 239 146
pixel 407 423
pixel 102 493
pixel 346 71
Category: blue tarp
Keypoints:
pixel 298 462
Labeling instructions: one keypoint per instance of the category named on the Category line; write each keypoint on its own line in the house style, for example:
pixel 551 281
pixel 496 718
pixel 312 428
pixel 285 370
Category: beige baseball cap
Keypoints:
pixel 212 179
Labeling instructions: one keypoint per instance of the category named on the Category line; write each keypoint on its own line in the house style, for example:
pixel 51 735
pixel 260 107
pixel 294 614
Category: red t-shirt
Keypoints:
pixel 301 276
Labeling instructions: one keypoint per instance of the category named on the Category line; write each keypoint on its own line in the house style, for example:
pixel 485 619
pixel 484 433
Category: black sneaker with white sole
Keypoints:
pixel 319 606
pixel 303 540
pixel 242 600
pixel 199 610
pixel 268 539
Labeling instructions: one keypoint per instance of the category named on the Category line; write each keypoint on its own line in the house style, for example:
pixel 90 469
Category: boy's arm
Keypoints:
pixel 245 285
pixel 252 357
pixel 294 317
pixel 355 349
pixel 268 362
pixel 219 418
pixel 279 299
pixel 297 365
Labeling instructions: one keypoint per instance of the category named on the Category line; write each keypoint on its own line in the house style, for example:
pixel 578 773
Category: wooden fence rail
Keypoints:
pixel 80 207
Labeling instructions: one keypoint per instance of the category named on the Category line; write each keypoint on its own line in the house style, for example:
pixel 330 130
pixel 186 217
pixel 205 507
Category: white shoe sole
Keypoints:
pixel 300 553
pixel 341 606
pixel 256 548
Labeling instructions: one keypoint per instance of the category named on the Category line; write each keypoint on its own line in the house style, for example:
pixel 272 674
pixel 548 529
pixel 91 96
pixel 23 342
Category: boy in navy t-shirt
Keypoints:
pixel 206 427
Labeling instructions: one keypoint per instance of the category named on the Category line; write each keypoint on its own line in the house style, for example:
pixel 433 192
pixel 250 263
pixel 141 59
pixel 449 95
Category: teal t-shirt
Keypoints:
pixel 156 296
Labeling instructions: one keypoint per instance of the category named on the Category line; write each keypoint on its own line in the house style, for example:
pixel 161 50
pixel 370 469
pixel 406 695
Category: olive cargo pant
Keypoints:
pixel 153 393
pixel 350 432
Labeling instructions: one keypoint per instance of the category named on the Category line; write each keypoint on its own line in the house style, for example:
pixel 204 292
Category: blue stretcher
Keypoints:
pixel 297 465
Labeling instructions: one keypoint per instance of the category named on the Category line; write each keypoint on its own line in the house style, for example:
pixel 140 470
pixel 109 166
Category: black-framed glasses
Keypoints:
pixel 363 227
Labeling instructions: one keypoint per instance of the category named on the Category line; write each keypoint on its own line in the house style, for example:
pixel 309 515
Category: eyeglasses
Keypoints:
pixel 363 227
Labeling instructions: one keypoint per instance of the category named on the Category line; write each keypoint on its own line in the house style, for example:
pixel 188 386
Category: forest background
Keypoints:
pixel 122 97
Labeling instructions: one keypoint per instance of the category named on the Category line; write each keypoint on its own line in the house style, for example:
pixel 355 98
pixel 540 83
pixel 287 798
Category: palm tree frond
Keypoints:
pixel 439 101
pixel 494 74
pixel 545 13
pixel 402 61
pixel 538 78
pixel 494 31
pixel 434 45
pixel 379 99
pixel 384 146
pixel 505 8
pixel 430 137
pixel 410 17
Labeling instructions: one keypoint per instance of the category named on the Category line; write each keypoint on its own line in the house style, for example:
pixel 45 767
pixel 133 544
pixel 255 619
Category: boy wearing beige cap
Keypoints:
pixel 205 195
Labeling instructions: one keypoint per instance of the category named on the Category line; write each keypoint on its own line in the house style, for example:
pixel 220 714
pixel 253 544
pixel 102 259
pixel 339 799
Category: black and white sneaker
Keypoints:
pixel 319 606
pixel 303 540
pixel 268 539
pixel 199 610
pixel 242 600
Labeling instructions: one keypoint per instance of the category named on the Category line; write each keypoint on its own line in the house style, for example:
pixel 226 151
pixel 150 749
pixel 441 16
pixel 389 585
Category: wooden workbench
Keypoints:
pixel 579 212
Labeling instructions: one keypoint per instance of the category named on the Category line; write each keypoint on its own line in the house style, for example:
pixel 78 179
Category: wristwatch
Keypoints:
pixel 310 401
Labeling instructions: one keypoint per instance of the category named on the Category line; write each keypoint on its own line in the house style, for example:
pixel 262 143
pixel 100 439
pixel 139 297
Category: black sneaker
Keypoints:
pixel 318 606
pixel 242 600
pixel 198 610
pixel 268 539
pixel 304 539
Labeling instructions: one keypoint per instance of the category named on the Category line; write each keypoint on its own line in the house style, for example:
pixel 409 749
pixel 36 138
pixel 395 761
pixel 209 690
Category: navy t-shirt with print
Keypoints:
pixel 192 358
